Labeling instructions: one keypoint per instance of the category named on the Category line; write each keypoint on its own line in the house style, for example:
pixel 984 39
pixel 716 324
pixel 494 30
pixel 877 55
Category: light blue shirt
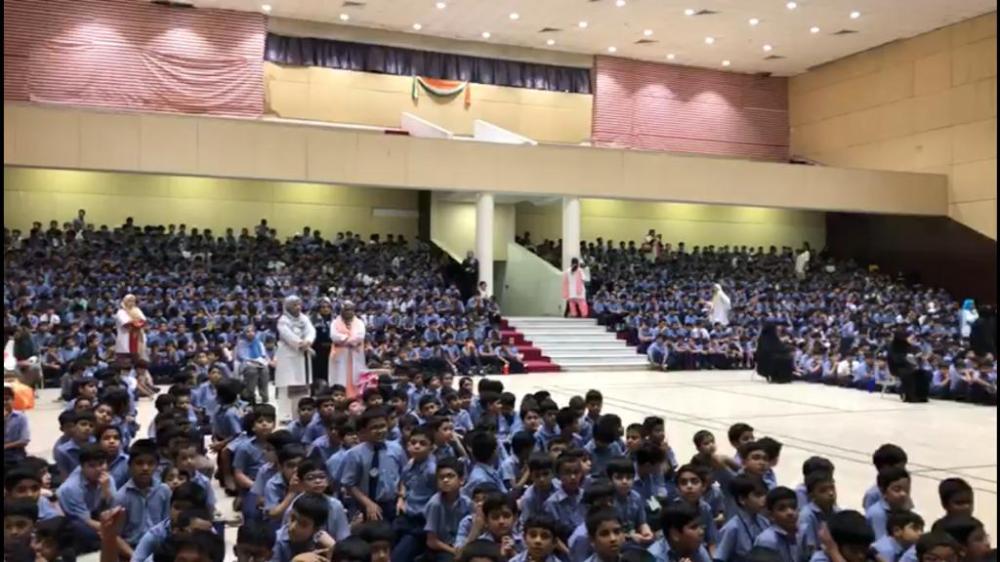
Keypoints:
pixel 737 536
pixel 443 518
pixel 15 428
pixel 118 469
pixel 877 516
pixel 777 539
pixel 579 543
pixel 150 541
pixel 631 511
pixel 79 498
pixel 660 550
pixel 533 501
pixel 357 468
pixel 337 525
pixel 249 457
pixel 811 519
pixel 274 491
pixel 569 510
pixel 421 483
pixel 601 456
pixel 482 473
pixel 144 509
pixel 888 548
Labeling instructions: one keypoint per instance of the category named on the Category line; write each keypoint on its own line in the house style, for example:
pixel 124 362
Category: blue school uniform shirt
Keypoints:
pixel 275 490
pixel 443 517
pixel 227 423
pixel 206 397
pixel 314 430
pixel 523 557
pixel 811 519
pixel 46 509
pixel 421 484
pixel 298 431
pixel 878 515
pixel 510 470
pixel 284 549
pixel 543 436
pixel 517 540
pixel 483 473
pixel 249 457
pixel 631 511
pixel 462 421
pixel 67 456
pixel 264 475
pixel 819 556
pixel 801 495
pixel 118 469
pixel 15 428
pixel 651 486
pixel 737 536
pixel 888 548
pixel 707 516
pixel 533 501
pixel 143 508
pixel 200 479
pixel 337 525
pixel 335 464
pixel 157 535
pixel 79 498
pixel 568 510
pixel 579 543
pixel 910 555
pixel 660 550
pixel 357 469
pixel 601 456
pixel 322 447
pixel 777 539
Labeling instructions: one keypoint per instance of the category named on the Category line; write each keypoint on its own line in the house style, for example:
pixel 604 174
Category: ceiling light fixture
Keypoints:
pixel 792 5
pixel 612 49
pixel 620 3
pixel 726 62
pixel 550 42
pixel 486 35
pixel 768 48
pixel 647 32
pixel 689 12
pixel 417 27
pixel 266 8
pixel 855 15
pixel 344 17
pixel 814 29
pixel 753 21
pixel 440 5
pixel 710 40
pixel 514 16
pixel 671 56
pixel 582 25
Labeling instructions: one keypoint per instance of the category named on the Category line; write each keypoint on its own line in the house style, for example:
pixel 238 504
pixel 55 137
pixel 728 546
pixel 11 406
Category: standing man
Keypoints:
pixel 347 357
pixel 255 366
pixel 574 289
pixel 293 359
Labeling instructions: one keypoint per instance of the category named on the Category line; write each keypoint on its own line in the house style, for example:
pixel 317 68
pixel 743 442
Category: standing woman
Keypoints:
pixel 773 357
pixel 322 321
pixel 721 306
pixel 347 357
pixel 293 359
pixel 574 289
pixel 914 382
pixel 967 317
pixel 130 344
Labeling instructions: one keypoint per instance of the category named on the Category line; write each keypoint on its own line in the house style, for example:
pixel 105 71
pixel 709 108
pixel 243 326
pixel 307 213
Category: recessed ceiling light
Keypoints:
pixel 620 3
pixel 417 27
pixel 647 32
pixel 550 42
pixel 753 21
pixel 725 62
pixel 689 12
pixel 486 35
pixel 814 29
pixel 582 25
pixel 612 49
pixel 792 5
pixel 266 8
pixel 767 48
pixel 344 17
pixel 855 15
pixel 515 16
pixel 671 56
pixel 440 5
pixel 710 40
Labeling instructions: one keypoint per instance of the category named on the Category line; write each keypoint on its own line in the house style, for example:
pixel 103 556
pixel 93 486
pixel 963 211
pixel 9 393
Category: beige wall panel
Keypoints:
pixel 331 158
pixel 974 29
pixel 932 73
pixel 109 141
pixel 893 83
pixel 281 153
pixel 8 135
pixel 975 141
pixel 931 111
pixel 46 137
pixel 979 215
pixel 223 147
pixel 168 144
pixel 134 185
pixel 974 101
pixel 974 61
pixel 384 157
pixel 974 181
pixel 287 98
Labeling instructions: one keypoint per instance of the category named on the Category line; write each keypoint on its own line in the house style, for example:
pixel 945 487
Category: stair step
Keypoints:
pixel 558 355
pixel 543 341
pixel 574 344
pixel 513 319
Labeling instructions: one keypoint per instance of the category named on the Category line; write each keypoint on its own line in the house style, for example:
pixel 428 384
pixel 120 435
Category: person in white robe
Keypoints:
pixel 130 345
pixel 574 289
pixel 720 306
pixel 802 264
pixel 293 358
pixel 347 356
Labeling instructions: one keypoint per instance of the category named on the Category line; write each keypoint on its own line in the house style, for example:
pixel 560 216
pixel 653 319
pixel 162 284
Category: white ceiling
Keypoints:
pixel 788 31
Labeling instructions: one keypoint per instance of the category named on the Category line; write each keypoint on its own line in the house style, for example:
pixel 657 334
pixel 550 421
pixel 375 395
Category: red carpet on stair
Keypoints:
pixel 534 361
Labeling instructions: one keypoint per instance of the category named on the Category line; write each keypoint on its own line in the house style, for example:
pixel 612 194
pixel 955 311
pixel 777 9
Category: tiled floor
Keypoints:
pixel 942 438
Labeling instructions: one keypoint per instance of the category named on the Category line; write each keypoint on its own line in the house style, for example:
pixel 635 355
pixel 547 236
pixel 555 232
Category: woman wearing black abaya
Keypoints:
pixel 321 359
pixel 914 383
pixel 774 358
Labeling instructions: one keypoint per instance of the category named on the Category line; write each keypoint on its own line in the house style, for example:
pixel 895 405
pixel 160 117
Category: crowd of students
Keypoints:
pixel 836 317
pixel 418 468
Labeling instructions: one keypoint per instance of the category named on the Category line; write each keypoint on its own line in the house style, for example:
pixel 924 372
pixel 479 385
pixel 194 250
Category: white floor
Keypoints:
pixel 942 438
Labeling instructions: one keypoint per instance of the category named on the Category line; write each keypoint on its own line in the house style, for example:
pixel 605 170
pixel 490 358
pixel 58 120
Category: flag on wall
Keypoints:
pixel 441 88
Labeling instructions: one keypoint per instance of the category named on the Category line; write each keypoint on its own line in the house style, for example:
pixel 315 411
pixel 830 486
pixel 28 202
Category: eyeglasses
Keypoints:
pixel 314 477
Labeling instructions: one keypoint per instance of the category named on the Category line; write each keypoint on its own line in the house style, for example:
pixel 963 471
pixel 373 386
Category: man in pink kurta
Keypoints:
pixel 347 354
pixel 575 289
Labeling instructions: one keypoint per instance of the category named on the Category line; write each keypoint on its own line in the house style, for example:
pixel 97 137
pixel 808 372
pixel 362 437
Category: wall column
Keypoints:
pixel 484 238
pixel 570 230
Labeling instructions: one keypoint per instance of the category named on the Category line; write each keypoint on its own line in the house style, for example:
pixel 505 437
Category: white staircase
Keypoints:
pixel 578 344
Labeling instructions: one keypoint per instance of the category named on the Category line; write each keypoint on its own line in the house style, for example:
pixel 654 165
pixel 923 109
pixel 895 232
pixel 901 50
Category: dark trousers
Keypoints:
pixel 411 540
pixel 85 539
pixel 915 386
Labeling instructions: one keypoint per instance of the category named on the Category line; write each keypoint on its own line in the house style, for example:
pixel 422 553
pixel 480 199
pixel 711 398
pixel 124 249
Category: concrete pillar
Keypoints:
pixel 484 238
pixel 570 230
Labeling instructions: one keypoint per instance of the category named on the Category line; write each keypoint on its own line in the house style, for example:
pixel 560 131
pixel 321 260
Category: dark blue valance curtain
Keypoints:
pixel 344 55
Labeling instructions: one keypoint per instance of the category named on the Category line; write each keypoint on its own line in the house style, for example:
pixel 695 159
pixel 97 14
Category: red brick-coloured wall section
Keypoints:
pixel 654 106
pixel 127 54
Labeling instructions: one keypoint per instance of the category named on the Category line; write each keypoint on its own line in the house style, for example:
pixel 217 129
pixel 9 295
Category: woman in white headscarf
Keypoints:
pixel 347 357
pixel 130 344
pixel 293 358
pixel 720 306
